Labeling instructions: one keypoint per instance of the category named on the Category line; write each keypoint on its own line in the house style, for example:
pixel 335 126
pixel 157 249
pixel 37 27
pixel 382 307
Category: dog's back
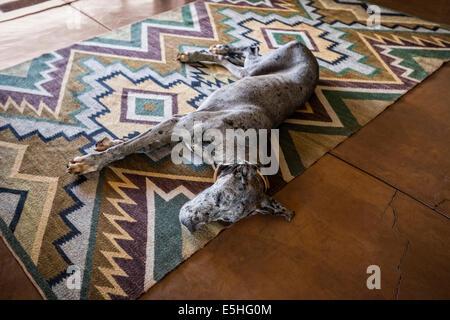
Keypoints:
pixel 278 83
pixel 272 87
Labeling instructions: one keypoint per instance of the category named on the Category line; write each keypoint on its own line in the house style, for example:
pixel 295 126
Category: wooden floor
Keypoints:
pixel 380 198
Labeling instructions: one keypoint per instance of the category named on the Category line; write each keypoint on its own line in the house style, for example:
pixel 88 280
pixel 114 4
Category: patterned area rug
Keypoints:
pixel 113 234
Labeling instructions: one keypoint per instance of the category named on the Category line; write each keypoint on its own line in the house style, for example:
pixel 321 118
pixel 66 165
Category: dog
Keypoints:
pixel 269 89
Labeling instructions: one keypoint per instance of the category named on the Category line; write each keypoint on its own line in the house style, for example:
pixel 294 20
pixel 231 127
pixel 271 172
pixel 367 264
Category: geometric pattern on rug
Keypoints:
pixel 120 226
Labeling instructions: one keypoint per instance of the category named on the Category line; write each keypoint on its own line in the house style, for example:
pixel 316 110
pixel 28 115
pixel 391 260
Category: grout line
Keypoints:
pixel 391 185
pixel 35 12
pixel 85 14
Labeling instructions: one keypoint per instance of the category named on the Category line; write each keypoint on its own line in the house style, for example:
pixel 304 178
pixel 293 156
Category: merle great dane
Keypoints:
pixel 270 88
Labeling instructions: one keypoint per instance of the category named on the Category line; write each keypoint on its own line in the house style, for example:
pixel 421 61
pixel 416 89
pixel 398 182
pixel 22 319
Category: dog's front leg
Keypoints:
pixel 198 56
pixel 155 138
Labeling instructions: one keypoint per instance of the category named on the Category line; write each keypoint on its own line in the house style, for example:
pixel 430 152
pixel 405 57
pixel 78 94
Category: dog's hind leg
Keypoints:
pixel 107 143
pixel 198 56
pixel 147 142
pixel 226 50
pixel 250 53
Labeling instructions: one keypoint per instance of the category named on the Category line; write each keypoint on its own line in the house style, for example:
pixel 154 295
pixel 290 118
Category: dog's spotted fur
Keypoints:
pixel 270 89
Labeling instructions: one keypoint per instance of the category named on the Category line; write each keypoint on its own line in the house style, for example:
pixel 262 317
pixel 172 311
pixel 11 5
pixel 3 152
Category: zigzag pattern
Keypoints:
pixel 396 28
pixel 236 22
pixel 399 62
pixel 25 107
pixel 21 135
pixel 38 73
pixel 140 188
pixel 148 34
pixel 121 234
pixel 51 184
pixel 40 86
pixel 254 3
pixel 395 65
pixel 73 230
pixel 12 220
pixel 402 40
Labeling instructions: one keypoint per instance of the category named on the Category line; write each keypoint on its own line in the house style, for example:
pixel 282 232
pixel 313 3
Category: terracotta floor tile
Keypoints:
pixel 116 13
pixel 437 11
pixel 14 9
pixel 28 37
pixel 408 144
pixel 14 284
pixel 426 264
pixel 340 229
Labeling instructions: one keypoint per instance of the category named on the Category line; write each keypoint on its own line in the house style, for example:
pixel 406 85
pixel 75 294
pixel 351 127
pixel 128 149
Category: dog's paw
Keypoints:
pixel 221 49
pixel 103 144
pixel 183 57
pixel 80 165
pixel 289 215
pixel 107 143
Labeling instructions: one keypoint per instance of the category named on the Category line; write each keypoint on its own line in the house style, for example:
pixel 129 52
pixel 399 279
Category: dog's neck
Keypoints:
pixel 217 172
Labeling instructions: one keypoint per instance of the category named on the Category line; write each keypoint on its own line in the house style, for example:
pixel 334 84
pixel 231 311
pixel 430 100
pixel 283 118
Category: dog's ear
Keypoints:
pixel 271 206
pixel 223 168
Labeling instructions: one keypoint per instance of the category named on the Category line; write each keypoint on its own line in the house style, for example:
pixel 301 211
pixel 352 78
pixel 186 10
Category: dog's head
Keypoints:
pixel 238 192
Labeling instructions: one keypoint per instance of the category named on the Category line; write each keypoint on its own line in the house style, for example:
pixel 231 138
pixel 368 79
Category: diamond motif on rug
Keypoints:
pixel 278 37
pixel 149 107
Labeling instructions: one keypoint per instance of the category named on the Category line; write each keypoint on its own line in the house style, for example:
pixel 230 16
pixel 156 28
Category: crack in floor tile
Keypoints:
pixel 408 243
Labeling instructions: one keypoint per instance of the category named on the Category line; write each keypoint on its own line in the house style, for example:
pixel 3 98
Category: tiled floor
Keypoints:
pixel 382 197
